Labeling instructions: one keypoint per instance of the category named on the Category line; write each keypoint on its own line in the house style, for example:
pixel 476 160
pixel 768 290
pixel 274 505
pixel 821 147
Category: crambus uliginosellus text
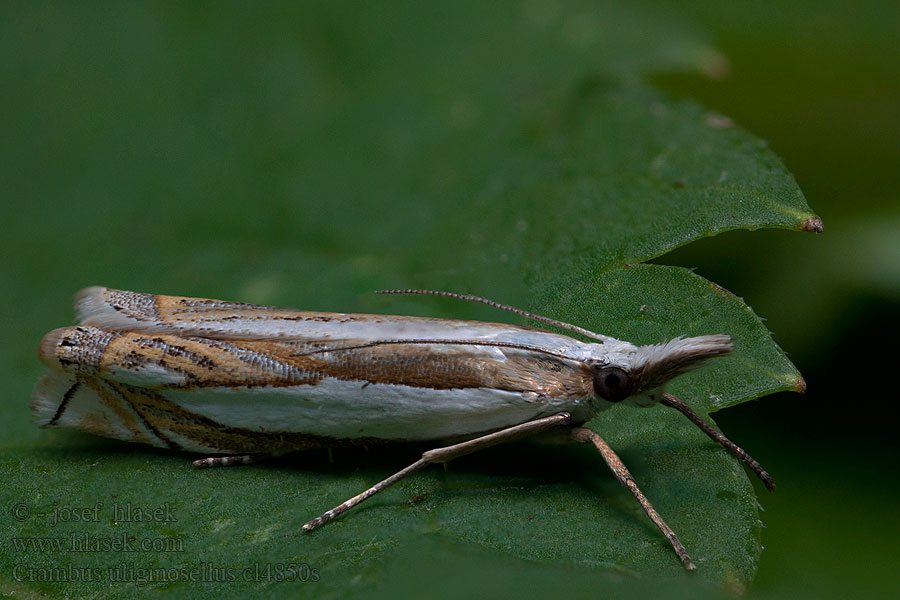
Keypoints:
pixel 247 381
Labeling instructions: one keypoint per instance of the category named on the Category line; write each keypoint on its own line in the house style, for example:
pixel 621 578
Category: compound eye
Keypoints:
pixel 612 384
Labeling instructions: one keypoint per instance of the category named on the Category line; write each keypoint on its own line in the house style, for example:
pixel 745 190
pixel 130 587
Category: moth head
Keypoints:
pixel 638 373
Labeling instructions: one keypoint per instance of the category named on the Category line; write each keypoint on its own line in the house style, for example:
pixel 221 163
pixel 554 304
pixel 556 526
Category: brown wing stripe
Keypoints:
pixel 123 391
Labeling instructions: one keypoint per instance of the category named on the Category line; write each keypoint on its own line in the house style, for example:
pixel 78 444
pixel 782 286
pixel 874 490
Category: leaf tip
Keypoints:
pixel 800 385
pixel 813 225
pixel 716 66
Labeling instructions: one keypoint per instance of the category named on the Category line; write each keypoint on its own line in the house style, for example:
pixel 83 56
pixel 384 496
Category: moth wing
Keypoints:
pixel 173 361
pixel 87 404
pixel 120 310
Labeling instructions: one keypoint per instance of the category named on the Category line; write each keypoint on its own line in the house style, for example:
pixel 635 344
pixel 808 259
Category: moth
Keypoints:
pixel 242 381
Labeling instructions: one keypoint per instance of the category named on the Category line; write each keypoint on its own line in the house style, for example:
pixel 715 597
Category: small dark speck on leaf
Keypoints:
pixel 679 183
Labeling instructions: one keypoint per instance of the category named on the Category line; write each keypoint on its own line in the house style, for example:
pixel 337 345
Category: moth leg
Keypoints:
pixel 230 461
pixel 717 436
pixel 587 436
pixel 444 455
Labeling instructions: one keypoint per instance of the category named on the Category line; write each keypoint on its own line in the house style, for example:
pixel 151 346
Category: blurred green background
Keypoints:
pixel 121 169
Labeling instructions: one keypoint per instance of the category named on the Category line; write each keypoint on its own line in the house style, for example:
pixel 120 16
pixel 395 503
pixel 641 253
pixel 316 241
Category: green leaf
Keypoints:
pixel 507 150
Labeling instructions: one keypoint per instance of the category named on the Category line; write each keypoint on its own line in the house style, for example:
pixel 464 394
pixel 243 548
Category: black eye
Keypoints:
pixel 612 383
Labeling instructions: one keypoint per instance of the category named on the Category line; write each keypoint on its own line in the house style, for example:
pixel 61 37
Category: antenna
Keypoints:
pixel 507 308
